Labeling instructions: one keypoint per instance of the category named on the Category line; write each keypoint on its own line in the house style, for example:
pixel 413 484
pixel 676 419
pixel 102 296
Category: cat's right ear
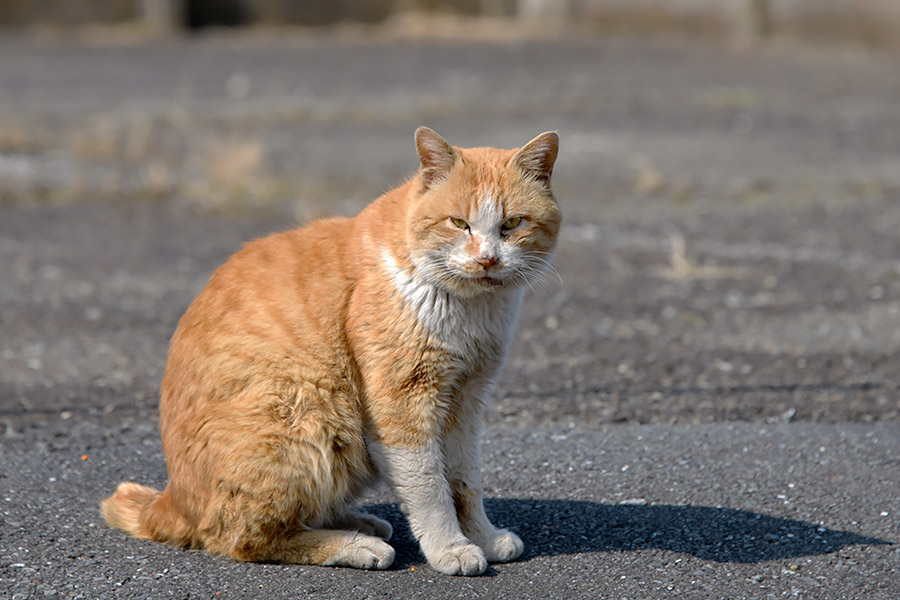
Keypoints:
pixel 436 156
pixel 536 158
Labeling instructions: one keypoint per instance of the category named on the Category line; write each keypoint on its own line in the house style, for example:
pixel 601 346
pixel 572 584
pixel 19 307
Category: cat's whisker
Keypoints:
pixel 542 281
pixel 528 277
pixel 531 287
pixel 546 266
pixel 527 281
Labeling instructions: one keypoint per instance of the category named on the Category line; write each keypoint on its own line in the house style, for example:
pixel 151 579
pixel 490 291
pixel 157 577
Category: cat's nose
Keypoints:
pixel 487 261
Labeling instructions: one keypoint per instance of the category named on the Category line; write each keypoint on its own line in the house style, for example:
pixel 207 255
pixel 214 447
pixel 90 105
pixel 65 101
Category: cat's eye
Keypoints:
pixel 459 222
pixel 511 223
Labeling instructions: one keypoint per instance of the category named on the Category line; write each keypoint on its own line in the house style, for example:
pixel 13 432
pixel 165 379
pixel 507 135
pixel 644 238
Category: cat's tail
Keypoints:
pixel 144 512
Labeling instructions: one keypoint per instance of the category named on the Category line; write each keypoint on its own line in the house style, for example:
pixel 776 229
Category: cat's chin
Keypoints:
pixel 479 286
pixel 488 282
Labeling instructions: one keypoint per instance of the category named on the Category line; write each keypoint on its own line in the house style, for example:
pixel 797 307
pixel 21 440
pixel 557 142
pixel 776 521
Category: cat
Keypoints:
pixel 319 360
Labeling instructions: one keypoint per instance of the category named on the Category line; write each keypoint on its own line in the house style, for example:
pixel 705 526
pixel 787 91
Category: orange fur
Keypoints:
pixel 305 347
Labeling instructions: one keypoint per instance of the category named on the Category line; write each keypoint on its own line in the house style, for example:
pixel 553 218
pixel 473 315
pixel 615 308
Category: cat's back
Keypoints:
pixel 302 257
pixel 278 295
pixel 286 269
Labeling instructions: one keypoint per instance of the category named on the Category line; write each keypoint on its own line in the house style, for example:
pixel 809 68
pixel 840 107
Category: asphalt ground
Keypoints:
pixel 632 511
pixel 704 404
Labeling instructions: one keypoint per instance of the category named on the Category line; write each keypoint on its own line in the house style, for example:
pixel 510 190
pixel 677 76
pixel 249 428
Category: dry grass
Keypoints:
pixel 134 156
pixel 683 268
pixel 650 181
pixel 211 158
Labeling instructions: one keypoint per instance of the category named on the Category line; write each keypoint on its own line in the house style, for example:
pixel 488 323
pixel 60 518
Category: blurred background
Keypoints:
pixel 871 21
pixel 205 102
pixel 729 177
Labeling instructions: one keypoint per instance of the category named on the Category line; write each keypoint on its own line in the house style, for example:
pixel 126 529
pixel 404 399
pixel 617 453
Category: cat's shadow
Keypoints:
pixel 725 535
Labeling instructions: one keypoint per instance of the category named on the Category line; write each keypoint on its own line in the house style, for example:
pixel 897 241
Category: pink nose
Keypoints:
pixel 486 261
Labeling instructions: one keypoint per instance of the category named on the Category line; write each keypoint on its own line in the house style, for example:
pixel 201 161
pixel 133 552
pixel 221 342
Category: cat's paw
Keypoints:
pixel 363 552
pixel 466 559
pixel 504 547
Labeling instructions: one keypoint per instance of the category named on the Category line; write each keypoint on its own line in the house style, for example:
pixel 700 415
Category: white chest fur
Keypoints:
pixel 476 327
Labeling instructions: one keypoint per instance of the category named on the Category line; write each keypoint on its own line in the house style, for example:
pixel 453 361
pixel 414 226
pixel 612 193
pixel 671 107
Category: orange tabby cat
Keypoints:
pixel 320 359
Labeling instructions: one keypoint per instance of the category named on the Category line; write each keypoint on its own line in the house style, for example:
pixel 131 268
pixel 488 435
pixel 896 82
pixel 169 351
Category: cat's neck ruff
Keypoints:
pixel 457 322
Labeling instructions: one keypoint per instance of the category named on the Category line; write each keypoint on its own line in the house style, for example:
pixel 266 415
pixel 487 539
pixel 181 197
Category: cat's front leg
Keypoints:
pixel 463 456
pixel 499 545
pixel 417 476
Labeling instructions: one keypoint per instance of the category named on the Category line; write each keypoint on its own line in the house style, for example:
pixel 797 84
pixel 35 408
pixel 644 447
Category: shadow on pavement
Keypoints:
pixel 555 527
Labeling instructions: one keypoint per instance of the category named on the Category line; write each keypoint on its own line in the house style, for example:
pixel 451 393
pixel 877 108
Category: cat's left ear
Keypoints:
pixel 536 158
pixel 436 156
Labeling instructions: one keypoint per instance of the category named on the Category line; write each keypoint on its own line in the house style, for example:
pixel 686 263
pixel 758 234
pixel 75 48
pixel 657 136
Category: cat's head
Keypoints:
pixel 483 219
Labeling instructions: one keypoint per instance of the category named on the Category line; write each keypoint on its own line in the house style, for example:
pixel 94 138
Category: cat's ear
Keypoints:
pixel 436 156
pixel 536 158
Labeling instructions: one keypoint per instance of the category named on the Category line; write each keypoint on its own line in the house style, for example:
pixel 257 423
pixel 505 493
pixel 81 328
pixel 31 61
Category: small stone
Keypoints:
pixel 724 366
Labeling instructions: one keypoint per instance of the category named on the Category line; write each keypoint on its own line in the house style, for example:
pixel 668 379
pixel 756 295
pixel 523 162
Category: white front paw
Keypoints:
pixel 504 547
pixel 467 559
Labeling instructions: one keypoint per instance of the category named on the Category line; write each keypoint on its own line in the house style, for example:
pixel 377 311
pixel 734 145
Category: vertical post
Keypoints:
pixel 752 20
pixel 558 10
pixel 159 15
pixel 493 8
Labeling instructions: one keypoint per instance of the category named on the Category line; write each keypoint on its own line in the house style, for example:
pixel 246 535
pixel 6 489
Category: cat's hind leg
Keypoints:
pixel 326 547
